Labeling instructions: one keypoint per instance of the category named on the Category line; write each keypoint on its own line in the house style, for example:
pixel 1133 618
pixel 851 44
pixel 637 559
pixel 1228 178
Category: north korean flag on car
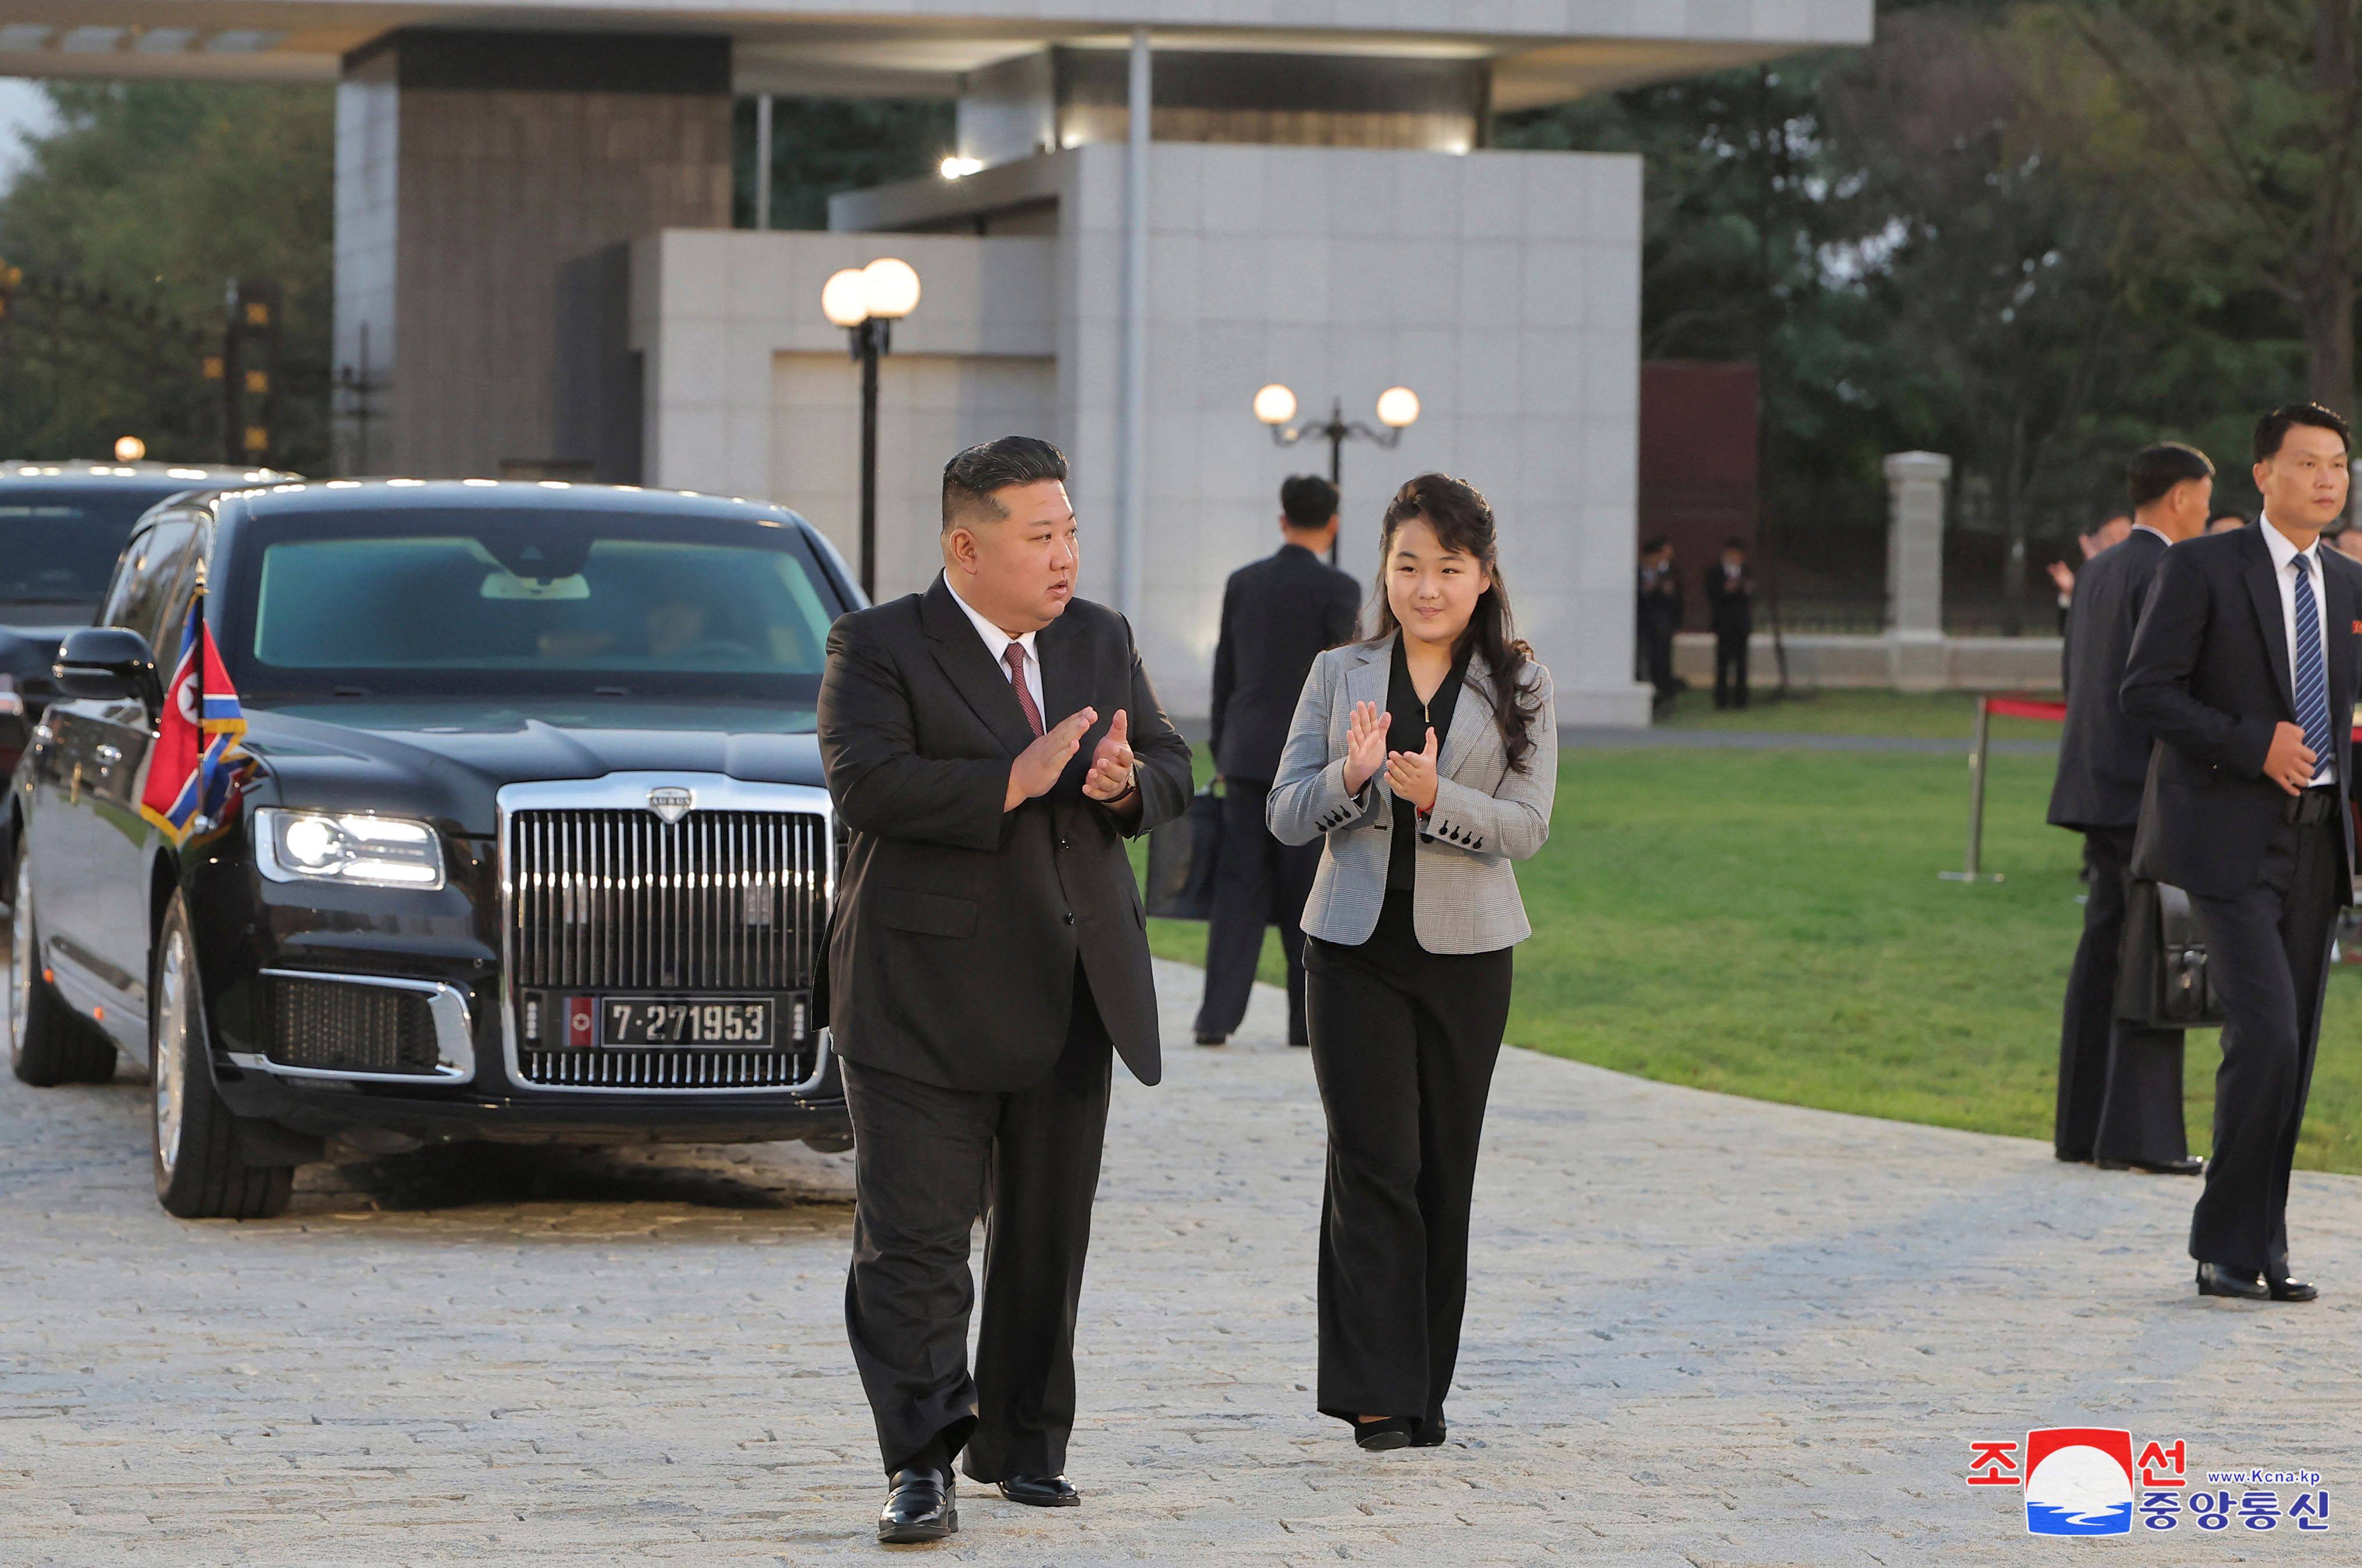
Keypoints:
pixel 200 727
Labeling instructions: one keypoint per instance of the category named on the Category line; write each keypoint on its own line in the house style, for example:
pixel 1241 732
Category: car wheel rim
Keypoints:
pixel 170 1065
pixel 20 960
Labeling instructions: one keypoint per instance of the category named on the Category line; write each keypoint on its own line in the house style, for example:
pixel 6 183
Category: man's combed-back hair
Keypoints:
pixel 972 479
pixel 2157 470
pixel 2273 428
pixel 1309 502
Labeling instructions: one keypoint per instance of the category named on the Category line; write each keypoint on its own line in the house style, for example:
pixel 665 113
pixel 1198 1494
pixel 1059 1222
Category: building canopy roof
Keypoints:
pixel 1542 51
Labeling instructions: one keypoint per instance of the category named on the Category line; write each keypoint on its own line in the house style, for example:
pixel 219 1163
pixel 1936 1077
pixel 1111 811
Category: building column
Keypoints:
pixel 472 169
pixel 1915 568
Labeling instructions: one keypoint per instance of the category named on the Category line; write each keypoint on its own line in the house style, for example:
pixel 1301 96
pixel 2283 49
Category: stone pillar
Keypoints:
pixel 1915 568
pixel 473 167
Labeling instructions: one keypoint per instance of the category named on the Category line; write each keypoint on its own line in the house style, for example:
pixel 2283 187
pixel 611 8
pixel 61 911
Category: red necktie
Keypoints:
pixel 1014 657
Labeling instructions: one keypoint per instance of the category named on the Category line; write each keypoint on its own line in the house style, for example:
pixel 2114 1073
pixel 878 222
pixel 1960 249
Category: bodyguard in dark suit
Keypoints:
pixel 1278 615
pixel 2119 1083
pixel 1657 617
pixel 2244 669
pixel 1730 608
pixel 991 742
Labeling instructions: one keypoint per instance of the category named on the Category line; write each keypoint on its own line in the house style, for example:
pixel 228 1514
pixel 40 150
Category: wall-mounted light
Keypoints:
pixel 957 168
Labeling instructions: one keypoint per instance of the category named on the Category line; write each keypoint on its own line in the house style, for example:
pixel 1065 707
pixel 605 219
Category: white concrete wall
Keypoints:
pixel 1503 287
pixel 737 398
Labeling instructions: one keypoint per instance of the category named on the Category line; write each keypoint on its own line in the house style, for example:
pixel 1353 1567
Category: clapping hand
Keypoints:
pixel 1110 776
pixel 1365 745
pixel 1411 774
pixel 1037 767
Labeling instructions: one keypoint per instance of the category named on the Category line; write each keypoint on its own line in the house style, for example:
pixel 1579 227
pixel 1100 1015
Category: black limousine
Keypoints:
pixel 528 838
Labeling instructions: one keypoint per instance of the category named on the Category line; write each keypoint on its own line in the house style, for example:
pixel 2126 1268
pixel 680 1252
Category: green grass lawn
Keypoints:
pixel 1770 923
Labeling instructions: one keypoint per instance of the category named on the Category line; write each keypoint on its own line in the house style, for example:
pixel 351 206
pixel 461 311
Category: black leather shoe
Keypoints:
pixel 1040 1491
pixel 1430 1434
pixel 2188 1165
pixel 1383 1437
pixel 2292 1290
pixel 924 1506
pixel 1206 1039
pixel 2213 1280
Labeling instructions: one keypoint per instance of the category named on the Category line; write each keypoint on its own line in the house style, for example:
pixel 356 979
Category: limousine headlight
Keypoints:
pixel 346 846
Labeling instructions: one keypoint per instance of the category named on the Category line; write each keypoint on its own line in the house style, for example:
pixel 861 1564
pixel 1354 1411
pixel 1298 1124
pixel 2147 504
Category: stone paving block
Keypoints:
pixel 1701 1330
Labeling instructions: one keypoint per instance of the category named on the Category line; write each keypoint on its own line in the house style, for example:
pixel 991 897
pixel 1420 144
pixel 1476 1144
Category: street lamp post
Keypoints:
pixel 867 301
pixel 1397 411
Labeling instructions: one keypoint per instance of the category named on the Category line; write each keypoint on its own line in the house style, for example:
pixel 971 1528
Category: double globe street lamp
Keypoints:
pixel 867 301
pixel 1397 411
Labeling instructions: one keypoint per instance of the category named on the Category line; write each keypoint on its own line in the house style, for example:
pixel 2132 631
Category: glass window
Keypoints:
pixel 57 546
pixel 151 569
pixel 526 602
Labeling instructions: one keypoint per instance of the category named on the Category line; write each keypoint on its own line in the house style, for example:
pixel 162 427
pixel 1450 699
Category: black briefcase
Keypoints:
pixel 1181 856
pixel 2162 980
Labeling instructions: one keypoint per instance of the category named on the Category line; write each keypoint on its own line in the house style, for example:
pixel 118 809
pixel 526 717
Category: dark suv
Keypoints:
pixel 62 526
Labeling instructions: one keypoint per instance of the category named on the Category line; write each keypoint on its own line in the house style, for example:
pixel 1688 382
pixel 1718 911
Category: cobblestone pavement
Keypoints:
pixel 1705 1330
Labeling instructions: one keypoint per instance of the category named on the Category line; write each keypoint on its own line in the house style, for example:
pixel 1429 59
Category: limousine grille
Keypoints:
pixel 335 1027
pixel 622 900
pixel 666 1069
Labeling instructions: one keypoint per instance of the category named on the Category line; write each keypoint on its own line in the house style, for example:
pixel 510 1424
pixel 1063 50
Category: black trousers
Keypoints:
pixel 1657 652
pixel 1730 669
pixel 927 1160
pixel 2268 958
pixel 1403 1042
pixel 2119 1083
pixel 1258 881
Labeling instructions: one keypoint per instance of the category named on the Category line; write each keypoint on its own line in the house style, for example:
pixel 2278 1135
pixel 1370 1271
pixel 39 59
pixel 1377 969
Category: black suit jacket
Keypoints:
pixel 1278 615
pixel 2209 678
pixel 2103 757
pixel 1730 608
pixel 958 926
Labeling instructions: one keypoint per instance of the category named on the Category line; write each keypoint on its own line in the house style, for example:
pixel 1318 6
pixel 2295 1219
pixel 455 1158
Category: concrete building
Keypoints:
pixel 535 262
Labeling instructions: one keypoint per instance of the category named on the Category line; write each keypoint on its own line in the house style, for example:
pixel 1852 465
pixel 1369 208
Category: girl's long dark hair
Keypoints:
pixel 1463 521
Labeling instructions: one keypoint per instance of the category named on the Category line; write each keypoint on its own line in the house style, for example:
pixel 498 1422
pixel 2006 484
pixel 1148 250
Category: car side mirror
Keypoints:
pixel 108 664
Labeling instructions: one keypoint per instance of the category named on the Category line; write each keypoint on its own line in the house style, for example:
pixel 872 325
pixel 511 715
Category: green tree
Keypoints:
pixel 128 220
pixel 2235 132
pixel 820 147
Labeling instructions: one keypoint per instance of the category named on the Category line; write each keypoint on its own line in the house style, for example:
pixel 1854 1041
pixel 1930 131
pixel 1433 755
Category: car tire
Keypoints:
pixel 200 1173
pixel 48 1042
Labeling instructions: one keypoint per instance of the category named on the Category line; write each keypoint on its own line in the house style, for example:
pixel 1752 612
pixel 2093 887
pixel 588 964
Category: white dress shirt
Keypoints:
pixel 996 643
pixel 2284 553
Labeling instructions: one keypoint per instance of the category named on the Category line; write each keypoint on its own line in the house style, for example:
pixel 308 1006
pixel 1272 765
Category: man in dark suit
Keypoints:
pixel 2244 669
pixel 2119 1083
pixel 991 742
pixel 1659 615
pixel 1278 615
pixel 1730 606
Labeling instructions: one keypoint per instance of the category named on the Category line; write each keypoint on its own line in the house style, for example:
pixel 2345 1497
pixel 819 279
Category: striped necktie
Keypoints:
pixel 2311 673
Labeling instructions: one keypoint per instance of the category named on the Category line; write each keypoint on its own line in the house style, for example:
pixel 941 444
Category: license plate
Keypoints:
pixel 743 1022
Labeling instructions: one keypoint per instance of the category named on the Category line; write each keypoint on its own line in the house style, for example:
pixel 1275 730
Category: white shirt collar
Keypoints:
pixel 2283 551
pixel 996 641
pixel 2145 529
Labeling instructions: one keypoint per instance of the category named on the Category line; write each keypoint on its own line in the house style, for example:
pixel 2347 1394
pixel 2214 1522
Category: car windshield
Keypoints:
pixel 434 603
pixel 57 545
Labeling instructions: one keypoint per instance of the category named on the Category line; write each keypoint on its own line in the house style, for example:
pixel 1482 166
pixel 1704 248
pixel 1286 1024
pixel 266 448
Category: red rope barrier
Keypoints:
pixel 2025 707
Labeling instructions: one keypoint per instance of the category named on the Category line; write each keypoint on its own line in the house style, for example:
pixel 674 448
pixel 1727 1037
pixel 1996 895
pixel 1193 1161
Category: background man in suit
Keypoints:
pixel 1730 604
pixel 2244 669
pixel 1659 617
pixel 2119 1083
pixel 1278 615
pixel 991 742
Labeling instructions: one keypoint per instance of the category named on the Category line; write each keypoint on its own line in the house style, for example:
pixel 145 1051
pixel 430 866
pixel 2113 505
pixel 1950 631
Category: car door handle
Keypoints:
pixel 108 753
